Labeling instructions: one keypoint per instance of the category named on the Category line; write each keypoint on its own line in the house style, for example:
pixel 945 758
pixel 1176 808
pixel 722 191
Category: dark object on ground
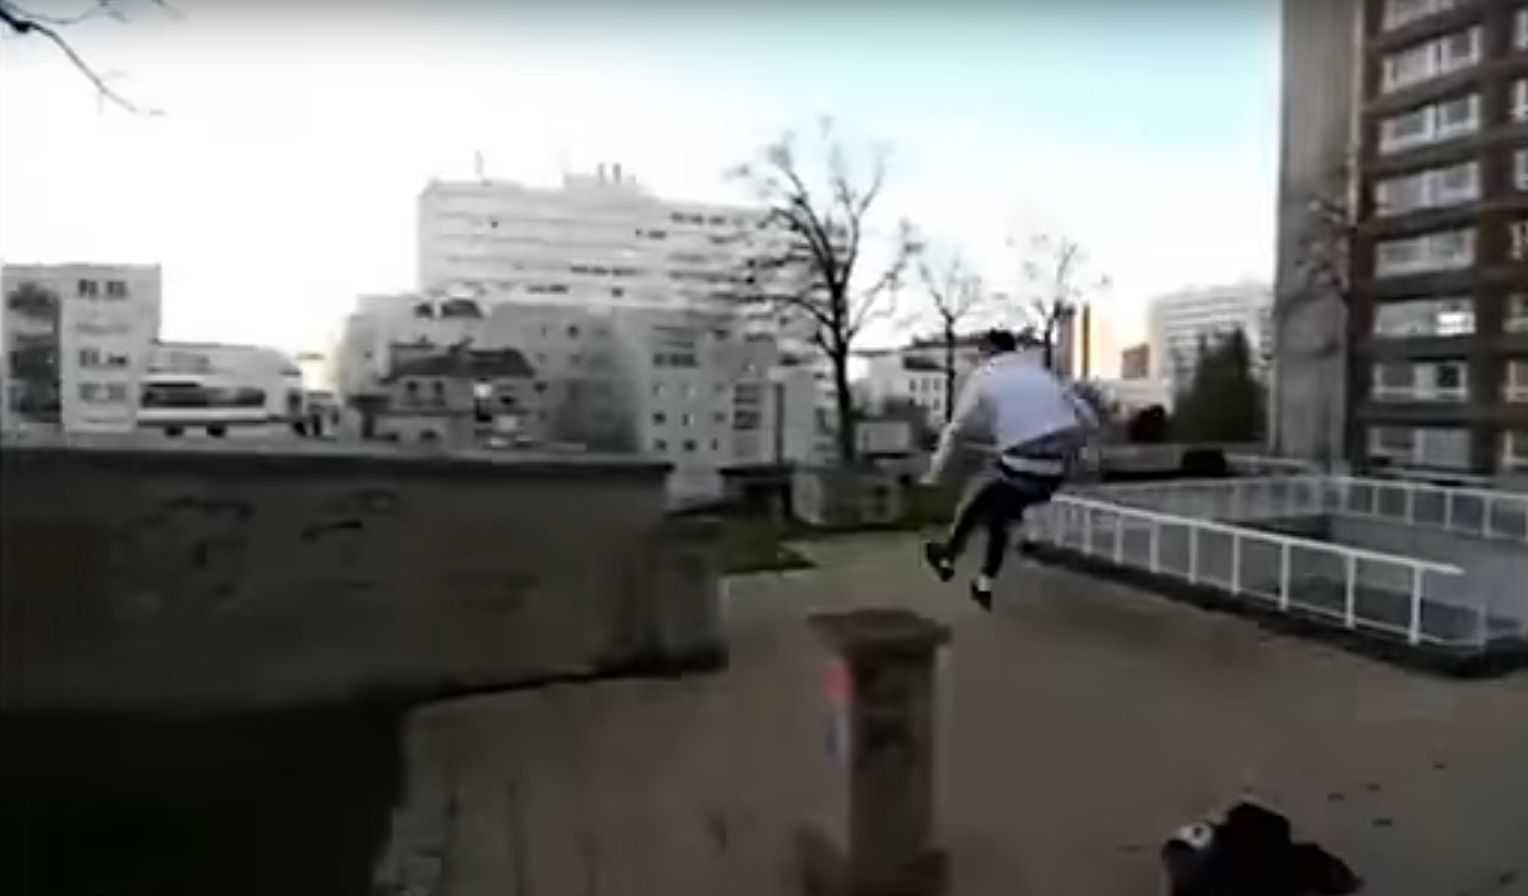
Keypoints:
pixel 1204 463
pixel 1250 852
pixel 1148 427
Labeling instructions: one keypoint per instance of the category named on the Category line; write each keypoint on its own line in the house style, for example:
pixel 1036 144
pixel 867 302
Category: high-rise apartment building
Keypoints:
pixel 1180 323
pixel 77 339
pixel 1436 331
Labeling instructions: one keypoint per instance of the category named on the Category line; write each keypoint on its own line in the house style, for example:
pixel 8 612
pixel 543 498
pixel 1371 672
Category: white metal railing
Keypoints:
pixel 1347 586
pixel 1479 512
pixel 1486 513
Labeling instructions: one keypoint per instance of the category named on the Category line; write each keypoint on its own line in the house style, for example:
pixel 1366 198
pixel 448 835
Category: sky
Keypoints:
pixel 280 179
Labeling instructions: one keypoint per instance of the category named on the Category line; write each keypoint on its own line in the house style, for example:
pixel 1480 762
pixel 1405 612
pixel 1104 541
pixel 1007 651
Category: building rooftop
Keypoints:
pixel 1080 724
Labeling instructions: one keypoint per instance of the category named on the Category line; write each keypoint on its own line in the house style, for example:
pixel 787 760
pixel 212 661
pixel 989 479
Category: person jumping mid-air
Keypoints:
pixel 1036 424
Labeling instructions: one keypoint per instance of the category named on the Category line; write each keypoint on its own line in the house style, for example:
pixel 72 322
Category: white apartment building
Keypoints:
pixel 220 390
pixel 599 239
pixel 77 343
pixel 1177 322
pixel 897 375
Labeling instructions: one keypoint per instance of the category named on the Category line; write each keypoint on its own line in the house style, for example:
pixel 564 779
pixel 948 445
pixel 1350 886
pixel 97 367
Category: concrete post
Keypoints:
pixel 874 835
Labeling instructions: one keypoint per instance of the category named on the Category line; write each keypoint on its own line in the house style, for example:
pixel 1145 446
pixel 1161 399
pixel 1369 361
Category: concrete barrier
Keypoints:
pixel 165 576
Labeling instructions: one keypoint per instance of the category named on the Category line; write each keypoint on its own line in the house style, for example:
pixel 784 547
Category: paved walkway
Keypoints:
pixel 1083 720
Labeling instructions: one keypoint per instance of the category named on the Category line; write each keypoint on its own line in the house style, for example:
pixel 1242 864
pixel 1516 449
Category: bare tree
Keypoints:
pixel 1058 279
pixel 807 261
pixel 955 294
pixel 24 23
pixel 1322 278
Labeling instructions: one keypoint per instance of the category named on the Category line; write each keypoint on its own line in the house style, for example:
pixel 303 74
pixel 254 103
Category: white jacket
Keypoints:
pixel 1015 402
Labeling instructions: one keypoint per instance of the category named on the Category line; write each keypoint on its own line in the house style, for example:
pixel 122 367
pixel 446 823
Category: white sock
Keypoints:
pixel 983 583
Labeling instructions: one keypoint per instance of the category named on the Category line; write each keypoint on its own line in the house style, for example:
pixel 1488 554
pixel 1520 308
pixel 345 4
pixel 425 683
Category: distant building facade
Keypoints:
pixel 77 343
pixel 1179 323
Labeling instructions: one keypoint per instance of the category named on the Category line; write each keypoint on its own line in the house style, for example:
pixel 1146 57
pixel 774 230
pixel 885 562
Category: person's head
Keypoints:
pixel 998 342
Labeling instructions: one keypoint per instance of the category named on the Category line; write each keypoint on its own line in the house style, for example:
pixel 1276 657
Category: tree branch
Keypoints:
pixel 23 23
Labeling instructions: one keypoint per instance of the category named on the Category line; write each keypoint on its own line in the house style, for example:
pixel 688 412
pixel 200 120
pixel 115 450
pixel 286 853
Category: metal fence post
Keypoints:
pixel 1350 611
pixel 1193 554
pixel 1414 630
pixel 1284 583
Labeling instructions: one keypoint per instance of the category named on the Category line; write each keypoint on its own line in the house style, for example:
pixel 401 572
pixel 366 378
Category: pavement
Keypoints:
pixel 1081 722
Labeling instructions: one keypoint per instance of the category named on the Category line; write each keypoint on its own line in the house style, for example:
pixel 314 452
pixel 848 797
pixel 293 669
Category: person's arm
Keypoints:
pixel 1087 417
pixel 964 418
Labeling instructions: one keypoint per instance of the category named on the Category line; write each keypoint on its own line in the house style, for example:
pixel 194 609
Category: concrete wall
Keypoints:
pixel 1317 123
pixel 229 575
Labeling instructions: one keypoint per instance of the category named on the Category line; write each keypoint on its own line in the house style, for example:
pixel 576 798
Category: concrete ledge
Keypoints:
pixel 136 453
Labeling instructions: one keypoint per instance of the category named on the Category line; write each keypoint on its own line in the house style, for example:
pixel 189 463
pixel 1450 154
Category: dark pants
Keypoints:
pixel 995 502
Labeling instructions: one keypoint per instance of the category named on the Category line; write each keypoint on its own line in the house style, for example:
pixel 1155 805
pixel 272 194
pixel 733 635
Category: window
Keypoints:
pixel 88 288
pixel 116 392
pixel 1519 234
pixel 1520 169
pixel 116 289
pixel 660 445
pixel 1514 451
pixel 1515 381
pixel 1459 116
pixel 1520 99
pixel 89 392
pixel 572 331
pixel 1425 317
pixel 660 418
pixel 1455 184
pixel 689 445
pixel 686 419
pixel 1460 50
pixel 657 390
pixel 716 445
pixel 1515 318
pixel 90 357
pixel 1404 131
pixel 1410 66
pixel 1522 29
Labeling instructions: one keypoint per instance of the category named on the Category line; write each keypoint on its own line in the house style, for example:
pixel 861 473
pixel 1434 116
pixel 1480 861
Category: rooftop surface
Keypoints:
pixel 1082 721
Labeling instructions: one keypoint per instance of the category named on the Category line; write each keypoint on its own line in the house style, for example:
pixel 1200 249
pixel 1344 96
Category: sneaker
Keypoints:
pixel 939 561
pixel 982 597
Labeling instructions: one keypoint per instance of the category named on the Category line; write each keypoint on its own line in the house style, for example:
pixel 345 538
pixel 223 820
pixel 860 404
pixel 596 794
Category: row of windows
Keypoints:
pixel 1444 447
pixel 660 418
pixel 1432 123
pixel 1443 316
pixel 195 395
pixel 1443 250
pixel 1404 12
pixel 94 289
pixel 96 358
pixel 1442 381
pixel 1432 59
pixel 689 446
pixel 103 393
pixel 1434 188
